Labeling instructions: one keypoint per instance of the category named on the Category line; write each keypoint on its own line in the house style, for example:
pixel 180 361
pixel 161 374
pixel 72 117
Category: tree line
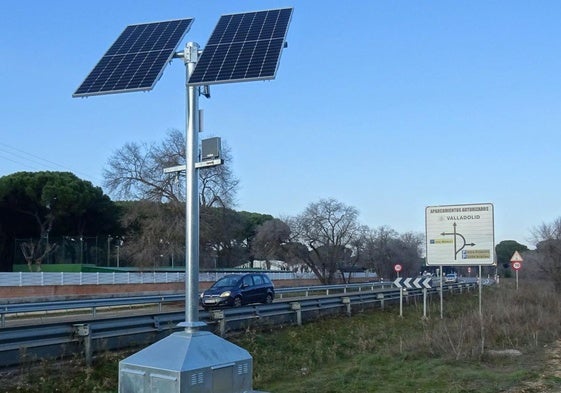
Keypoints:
pixel 148 218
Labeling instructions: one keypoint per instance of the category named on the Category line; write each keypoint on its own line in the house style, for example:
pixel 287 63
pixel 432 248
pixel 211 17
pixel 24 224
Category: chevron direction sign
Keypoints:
pixel 409 282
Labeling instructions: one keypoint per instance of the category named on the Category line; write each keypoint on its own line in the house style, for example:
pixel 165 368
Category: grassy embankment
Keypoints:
pixel 377 351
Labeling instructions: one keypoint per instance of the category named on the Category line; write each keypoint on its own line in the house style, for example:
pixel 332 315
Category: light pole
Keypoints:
pixel 109 249
pixel 118 246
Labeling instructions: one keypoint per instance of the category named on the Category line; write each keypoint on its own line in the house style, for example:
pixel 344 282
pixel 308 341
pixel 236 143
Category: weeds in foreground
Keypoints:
pixel 410 354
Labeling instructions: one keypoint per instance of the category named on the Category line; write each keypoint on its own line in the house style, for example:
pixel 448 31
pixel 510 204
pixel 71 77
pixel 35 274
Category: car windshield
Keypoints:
pixel 226 282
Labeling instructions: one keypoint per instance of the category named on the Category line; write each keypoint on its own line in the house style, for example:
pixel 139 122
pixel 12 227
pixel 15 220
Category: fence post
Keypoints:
pixel 380 297
pixel 347 302
pixel 83 331
pixel 295 306
pixel 218 315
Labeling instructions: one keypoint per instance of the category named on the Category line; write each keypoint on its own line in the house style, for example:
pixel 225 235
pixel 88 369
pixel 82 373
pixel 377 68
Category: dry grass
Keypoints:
pixel 525 319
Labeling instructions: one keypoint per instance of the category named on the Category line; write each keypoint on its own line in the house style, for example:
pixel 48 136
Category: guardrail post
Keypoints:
pixel 3 320
pixel 297 307
pixel 83 331
pixel 218 316
pixel 380 297
pixel 347 302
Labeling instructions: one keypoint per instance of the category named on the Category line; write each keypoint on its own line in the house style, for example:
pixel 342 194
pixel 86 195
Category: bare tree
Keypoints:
pixel 36 252
pixel 548 248
pixel 270 238
pixel 327 228
pixel 136 171
pixel 380 250
pixel 156 233
pixel 384 247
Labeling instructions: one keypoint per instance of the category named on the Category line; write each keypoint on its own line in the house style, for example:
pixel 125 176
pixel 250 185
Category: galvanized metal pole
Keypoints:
pixel 192 322
pixel 424 303
pixel 480 293
pixel 400 302
pixel 441 294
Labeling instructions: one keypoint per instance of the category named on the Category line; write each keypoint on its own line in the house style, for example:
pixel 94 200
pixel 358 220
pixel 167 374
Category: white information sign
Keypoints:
pixel 460 235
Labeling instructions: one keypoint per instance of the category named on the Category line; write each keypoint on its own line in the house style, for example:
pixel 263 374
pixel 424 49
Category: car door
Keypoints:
pixel 248 289
pixel 260 289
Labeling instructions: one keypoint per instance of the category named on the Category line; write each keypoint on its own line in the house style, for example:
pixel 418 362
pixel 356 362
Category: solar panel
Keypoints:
pixel 136 60
pixel 243 47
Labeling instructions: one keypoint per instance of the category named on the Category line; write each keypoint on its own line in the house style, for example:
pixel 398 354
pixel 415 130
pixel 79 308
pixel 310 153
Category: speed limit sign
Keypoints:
pixel 397 267
pixel 517 265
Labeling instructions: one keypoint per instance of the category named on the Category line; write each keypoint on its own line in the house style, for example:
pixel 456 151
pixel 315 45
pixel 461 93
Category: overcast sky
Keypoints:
pixel 385 106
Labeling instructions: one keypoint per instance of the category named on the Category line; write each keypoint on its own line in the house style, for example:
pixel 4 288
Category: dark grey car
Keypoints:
pixel 235 290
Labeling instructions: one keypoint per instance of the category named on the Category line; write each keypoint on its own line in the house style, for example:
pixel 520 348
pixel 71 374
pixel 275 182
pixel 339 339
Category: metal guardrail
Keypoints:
pixel 93 304
pixel 59 340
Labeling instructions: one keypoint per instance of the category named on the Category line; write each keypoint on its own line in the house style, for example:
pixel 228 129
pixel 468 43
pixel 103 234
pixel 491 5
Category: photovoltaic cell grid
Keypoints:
pixel 243 47
pixel 136 60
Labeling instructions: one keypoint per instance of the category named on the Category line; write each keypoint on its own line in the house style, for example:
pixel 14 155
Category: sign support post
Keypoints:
pixel 400 302
pixel 410 283
pixel 516 262
pixel 424 303
pixel 441 293
pixel 480 292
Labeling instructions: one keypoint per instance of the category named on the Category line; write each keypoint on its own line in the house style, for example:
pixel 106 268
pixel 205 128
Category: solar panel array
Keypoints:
pixel 243 47
pixel 137 58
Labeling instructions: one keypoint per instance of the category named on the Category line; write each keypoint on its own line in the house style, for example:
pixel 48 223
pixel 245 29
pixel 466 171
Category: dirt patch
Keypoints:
pixel 551 371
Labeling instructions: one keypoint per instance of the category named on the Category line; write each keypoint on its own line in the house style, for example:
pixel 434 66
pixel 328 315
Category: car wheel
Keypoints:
pixel 269 299
pixel 237 301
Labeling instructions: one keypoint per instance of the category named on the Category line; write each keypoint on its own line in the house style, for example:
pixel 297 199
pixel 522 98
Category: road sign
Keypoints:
pixel 460 235
pixel 422 282
pixel 516 257
pixel 517 265
pixel 397 267
pixel 409 283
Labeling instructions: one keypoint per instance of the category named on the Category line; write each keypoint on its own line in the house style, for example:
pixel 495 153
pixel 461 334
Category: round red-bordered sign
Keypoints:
pixel 516 265
pixel 397 267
